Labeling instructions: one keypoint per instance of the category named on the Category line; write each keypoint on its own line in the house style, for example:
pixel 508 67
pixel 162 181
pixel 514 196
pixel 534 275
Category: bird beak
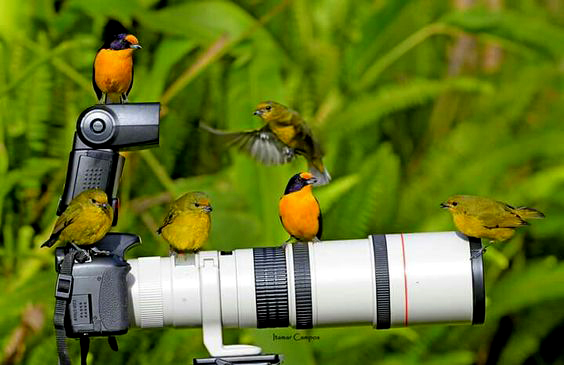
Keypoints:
pixel 312 181
pixel 207 208
pixel 445 206
pixel 103 205
pixel 135 46
pixel 258 112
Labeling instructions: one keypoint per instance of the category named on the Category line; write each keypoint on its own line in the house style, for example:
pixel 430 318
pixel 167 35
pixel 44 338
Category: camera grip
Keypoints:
pixel 113 299
pixel 99 301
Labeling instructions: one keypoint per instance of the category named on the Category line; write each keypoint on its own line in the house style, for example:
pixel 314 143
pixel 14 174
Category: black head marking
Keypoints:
pixel 296 183
pixel 119 42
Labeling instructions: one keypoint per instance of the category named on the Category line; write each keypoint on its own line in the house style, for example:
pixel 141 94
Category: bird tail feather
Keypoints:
pixel 529 213
pixel 114 98
pixel 323 177
pixel 50 242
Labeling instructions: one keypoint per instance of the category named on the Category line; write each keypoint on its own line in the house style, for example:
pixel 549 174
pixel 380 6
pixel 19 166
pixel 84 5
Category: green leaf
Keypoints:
pixel 329 194
pixel 371 107
pixel 541 280
pixel 507 24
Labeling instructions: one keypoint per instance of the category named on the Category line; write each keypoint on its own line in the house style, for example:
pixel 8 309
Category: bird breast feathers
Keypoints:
pixel 191 220
pixel 300 206
pixel 286 134
pixel 113 70
pixel 188 230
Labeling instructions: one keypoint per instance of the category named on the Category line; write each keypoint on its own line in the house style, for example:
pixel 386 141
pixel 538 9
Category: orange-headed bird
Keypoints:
pixel 112 76
pixel 284 136
pixel 299 209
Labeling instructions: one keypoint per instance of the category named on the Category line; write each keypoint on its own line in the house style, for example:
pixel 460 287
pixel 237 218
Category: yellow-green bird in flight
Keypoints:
pixel 482 217
pixel 284 136
pixel 85 221
pixel 187 224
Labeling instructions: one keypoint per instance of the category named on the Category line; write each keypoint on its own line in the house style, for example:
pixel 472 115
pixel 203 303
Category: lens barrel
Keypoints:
pixel 392 280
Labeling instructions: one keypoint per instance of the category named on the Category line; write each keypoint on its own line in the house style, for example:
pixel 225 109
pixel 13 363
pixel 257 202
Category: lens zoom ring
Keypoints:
pixel 271 287
pixel 302 281
pixel 383 313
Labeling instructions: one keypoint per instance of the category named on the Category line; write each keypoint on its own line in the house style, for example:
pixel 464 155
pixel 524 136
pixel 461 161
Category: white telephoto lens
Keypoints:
pixel 391 280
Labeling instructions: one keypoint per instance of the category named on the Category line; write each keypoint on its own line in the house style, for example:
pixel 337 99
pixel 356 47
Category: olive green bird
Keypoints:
pixel 86 220
pixel 187 224
pixel 481 217
pixel 284 136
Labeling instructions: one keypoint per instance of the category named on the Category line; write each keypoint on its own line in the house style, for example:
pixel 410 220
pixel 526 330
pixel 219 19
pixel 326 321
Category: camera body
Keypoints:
pixel 101 132
pixel 98 304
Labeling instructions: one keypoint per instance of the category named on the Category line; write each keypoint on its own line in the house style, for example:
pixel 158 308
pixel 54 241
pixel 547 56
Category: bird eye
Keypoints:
pixel 268 107
pixel 93 201
pixel 454 204
pixel 196 204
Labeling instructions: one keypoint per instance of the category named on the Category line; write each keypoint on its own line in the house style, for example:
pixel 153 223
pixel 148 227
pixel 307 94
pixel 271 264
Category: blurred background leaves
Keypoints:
pixel 413 101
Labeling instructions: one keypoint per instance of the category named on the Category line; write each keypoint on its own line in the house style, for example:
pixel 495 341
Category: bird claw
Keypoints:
pixel 83 255
pixel 288 152
pixel 478 253
pixel 97 252
pixel 289 241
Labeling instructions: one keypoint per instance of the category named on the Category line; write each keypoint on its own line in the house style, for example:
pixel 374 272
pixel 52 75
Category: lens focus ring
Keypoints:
pixel 382 274
pixel 271 287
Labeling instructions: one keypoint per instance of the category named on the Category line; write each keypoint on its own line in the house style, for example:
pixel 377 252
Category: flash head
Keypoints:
pixel 101 132
pixel 120 126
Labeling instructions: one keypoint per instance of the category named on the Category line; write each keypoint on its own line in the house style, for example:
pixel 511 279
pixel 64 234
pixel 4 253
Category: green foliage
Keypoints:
pixel 405 114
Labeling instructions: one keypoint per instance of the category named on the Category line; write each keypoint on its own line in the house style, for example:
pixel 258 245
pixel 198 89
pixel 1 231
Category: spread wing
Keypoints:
pixel 261 144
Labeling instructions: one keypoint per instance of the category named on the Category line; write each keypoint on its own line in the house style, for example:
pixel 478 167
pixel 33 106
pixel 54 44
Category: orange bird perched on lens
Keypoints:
pixel 299 209
pixel 284 135
pixel 112 76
